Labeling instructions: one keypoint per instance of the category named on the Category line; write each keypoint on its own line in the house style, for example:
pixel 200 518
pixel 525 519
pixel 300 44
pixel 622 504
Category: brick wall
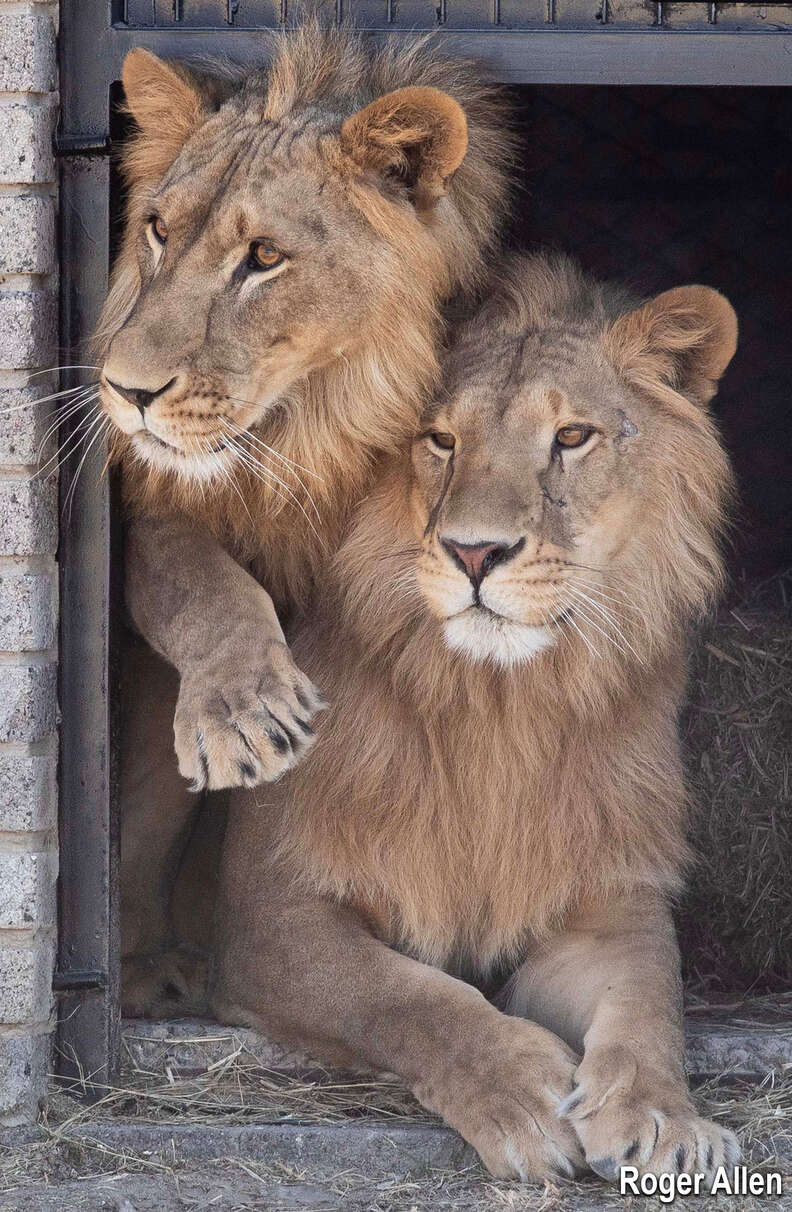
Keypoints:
pixel 28 544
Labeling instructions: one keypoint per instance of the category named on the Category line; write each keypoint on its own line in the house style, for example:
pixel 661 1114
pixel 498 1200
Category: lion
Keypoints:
pixel 292 238
pixel 496 804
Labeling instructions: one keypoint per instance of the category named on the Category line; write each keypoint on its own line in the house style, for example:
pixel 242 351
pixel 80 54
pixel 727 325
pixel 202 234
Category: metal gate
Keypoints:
pixel 603 42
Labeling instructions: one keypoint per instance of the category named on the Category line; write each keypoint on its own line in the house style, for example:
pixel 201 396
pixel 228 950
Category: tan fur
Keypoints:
pixel 311 375
pixel 489 812
pixel 467 754
pixel 355 350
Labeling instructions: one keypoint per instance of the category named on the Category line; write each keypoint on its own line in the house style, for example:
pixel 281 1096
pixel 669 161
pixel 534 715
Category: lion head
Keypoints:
pixel 568 488
pixel 571 479
pixel 290 238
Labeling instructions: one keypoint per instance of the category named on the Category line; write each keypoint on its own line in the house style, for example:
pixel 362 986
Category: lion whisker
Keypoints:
pixel 103 422
pixel 621 601
pixel 223 472
pixel 607 617
pixel 55 395
pixel 584 613
pixel 594 651
pixel 401 553
pixel 63 414
pixel 51 370
pixel 67 447
pixel 270 449
pixel 259 471
pixel 244 433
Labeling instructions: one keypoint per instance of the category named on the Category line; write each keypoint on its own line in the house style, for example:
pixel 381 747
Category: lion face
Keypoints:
pixel 266 240
pixel 250 279
pixel 543 481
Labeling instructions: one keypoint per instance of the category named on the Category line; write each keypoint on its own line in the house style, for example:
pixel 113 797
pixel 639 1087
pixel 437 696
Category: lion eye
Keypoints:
pixel 264 256
pixel 570 436
pixel 444 441
pixel 159 229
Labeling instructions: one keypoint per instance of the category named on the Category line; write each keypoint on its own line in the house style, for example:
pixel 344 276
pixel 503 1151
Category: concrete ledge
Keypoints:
pixel 191 1046
pixel 395 1152
pixel 751 1050
pixel 398 1150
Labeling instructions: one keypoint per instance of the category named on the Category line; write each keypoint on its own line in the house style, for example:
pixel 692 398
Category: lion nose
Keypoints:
pixel 141 397
pixel 478 559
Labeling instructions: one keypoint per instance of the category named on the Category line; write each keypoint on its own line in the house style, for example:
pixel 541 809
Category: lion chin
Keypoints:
pixel 481 635
pixel 210 464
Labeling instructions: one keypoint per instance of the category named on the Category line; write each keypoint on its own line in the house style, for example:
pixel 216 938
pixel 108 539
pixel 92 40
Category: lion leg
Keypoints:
pixel 156 812
pixel 244 711
pixel 311 972
pixel 610 985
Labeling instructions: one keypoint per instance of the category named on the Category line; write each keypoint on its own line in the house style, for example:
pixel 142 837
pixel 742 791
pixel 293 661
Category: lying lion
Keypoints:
pixel 291 238
pixel 496 802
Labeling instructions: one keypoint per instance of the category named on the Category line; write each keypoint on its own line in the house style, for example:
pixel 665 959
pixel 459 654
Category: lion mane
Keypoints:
pixel 467 809
pixel 336 422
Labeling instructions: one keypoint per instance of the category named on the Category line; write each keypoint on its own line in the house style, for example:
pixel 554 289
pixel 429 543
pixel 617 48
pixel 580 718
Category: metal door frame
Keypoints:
pixel 92 48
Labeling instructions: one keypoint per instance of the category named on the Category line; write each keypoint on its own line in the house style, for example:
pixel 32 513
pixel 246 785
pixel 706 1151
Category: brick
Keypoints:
pixel 28 606
pixel 26 146
pixel 28 327
pixel 25 1062
pixel 27 53
pixel 28 702
pixel 23 423
pixel 27 234
pixel 26 982
pixel 28 791
pixel 28 516
pixel 27 889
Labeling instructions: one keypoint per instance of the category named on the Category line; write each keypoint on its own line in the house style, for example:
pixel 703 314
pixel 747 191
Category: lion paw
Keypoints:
pixel 626 1116
pixel 507 1108
pixel 241 727
pixel 164 984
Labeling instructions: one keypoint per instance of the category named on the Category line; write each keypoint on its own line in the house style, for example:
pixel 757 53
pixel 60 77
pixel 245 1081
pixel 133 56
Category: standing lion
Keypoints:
pixel 496 803
pixel 292 236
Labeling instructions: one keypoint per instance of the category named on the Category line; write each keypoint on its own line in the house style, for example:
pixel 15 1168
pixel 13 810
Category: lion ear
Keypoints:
pixel 685 338
pixel 166 102
pixel 419 134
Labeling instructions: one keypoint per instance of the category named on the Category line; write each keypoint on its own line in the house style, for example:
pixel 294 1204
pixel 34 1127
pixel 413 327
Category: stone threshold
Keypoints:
pixel 192 1046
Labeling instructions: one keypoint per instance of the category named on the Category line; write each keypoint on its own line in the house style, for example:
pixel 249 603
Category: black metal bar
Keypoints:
pixel 87 145
pixel 88 1046
pixel 79 982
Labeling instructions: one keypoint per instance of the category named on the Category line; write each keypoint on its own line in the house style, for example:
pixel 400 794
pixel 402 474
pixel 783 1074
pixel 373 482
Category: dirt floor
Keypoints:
pixel 130 1151
pixel 232 1185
